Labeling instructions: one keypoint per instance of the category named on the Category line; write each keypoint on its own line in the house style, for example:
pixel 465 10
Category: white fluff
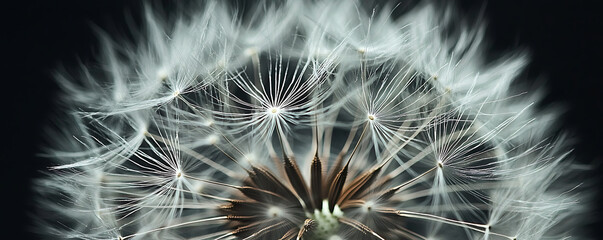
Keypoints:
pixel 164 132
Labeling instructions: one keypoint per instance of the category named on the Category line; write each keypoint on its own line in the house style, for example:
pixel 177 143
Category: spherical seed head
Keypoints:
pixel 197 98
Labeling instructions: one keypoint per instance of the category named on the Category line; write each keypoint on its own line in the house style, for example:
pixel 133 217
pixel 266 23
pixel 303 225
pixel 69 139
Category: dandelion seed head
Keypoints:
pixel 317 120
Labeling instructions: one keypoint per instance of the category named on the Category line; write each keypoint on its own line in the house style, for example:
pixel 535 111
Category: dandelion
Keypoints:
pixel 305 120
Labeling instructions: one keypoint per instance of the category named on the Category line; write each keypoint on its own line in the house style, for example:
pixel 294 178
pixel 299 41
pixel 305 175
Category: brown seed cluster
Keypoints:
pixel 276 207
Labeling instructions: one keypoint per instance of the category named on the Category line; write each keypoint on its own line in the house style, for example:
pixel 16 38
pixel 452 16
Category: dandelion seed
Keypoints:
pixel 320 120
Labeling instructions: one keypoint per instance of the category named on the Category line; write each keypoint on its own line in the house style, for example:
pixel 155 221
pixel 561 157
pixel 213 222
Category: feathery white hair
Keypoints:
pixel 306 120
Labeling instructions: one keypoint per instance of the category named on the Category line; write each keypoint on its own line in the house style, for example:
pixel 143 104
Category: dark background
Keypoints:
pixel 565 40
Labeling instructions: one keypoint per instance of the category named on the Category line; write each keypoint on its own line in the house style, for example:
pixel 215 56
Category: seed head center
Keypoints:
pixel 327 222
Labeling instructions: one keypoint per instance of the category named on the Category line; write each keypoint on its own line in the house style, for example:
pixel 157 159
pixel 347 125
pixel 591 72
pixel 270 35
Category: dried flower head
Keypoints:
pixel 305 120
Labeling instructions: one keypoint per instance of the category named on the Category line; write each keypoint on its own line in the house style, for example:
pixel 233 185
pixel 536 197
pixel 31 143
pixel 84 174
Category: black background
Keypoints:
pixel 564 38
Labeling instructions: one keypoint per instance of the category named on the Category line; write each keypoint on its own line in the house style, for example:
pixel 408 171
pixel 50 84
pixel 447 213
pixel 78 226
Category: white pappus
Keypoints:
pixel 306 120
